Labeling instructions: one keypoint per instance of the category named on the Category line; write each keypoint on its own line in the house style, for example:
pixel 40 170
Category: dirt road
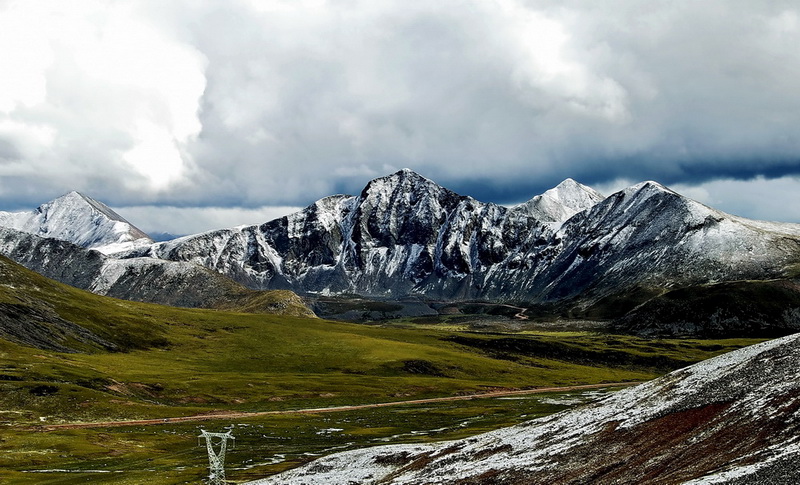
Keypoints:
pixel 244 415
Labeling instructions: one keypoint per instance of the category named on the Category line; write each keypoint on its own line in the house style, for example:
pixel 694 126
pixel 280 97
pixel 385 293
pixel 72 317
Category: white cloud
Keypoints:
pixel 543 66
pixel 155 154
pixel 116 97
pixel 193 220
pixel 762 199
pixel 23 59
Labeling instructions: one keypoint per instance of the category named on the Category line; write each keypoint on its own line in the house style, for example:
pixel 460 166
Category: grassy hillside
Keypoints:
pixel 733 308
pixel 280 302
pixel 67 355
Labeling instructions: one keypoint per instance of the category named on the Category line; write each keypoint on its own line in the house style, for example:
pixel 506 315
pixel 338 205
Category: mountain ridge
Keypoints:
pixel 150 280
pixel 404 235
pixel 561 202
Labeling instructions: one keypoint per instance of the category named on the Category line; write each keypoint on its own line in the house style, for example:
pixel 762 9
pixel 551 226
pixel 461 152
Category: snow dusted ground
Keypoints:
pixel 731 419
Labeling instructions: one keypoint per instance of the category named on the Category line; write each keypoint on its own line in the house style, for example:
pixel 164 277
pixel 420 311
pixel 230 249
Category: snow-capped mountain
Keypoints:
pixel 733 419
pixel 80 220
pixel 561 202
pixel 648 236
pixel 404 234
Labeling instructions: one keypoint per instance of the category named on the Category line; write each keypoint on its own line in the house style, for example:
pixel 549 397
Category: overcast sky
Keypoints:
pixel 192 115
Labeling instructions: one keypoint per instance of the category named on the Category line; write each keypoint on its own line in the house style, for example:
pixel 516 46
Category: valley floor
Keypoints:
pixel 168 452
pixel 288 403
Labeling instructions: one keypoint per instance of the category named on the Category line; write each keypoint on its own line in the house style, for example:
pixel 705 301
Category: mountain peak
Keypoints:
pixel 79 219
pixel 73 197
pixel 568 182
pixel 649 186
pixel 404 180
pixel 75 200
pixel 562 201
pixel 410 175
pixel 574 195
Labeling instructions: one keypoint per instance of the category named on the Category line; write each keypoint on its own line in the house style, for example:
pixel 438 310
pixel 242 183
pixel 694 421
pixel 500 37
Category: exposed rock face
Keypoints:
pixel 731 419
pixel 406 235
pixel 27 319
pixel 650 236
pixel 42 328
pixel 403 234
pixel 151 280
pixel 80 220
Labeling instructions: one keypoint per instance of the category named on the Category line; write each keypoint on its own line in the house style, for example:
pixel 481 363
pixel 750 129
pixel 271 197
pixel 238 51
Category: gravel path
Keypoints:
pixel 242 415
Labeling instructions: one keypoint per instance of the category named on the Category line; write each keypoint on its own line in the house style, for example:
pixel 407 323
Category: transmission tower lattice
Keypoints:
pixel 216 459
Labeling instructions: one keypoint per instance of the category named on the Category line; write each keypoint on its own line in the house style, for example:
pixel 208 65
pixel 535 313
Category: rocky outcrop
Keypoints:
pixel 721 310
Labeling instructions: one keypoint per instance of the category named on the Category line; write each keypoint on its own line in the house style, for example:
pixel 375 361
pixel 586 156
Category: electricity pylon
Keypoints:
pixel 216 459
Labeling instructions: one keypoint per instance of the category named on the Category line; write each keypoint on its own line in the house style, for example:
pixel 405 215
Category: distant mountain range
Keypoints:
pixel 570 248
pixel 733 419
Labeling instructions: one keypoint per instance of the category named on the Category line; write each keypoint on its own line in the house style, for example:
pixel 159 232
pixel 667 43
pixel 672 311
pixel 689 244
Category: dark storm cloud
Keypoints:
pixel 8 151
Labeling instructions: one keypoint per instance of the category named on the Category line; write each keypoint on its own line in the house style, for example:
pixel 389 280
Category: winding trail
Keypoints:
pixel 244 415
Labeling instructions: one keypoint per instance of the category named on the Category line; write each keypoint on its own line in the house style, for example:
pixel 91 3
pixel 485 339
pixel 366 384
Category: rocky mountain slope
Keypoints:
pixel 142 279
pixel 80 220
pixel 29 314
pixel 649 236
pixel 733 419
pixel 404 235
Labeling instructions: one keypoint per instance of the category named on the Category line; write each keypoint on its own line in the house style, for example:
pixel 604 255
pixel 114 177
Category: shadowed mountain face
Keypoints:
pixel 733 419
pixel 404 235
